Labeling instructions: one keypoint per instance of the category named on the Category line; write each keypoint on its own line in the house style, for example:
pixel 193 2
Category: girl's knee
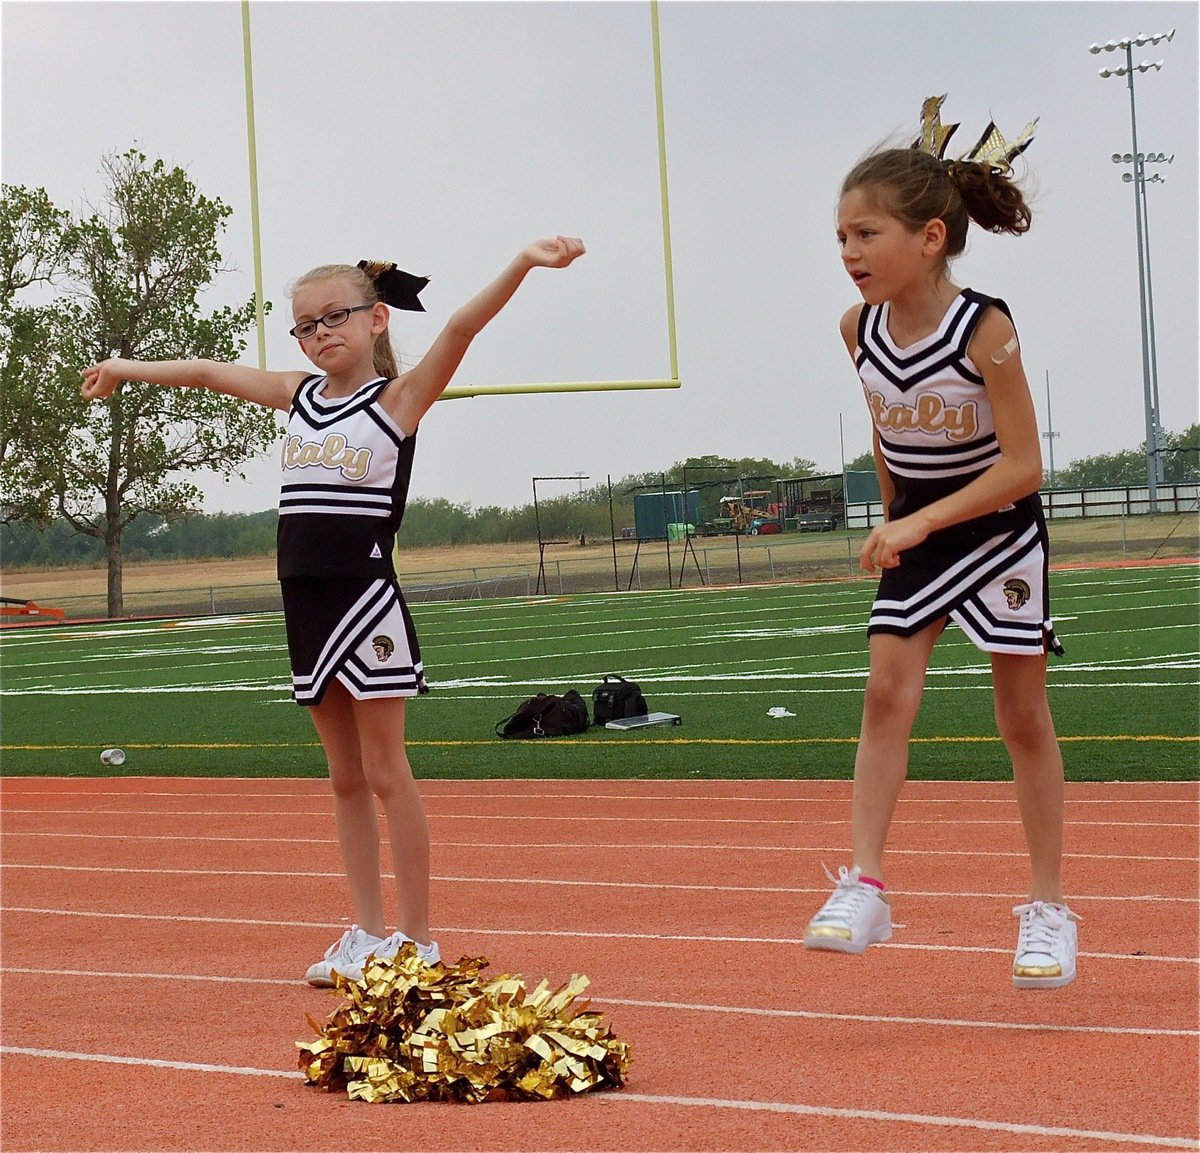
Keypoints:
pixel 889 697
pixel 346 779
pixel 389 777
pixel 1026 723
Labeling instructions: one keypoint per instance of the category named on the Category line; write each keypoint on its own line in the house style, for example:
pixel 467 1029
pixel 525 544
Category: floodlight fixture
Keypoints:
pixel 1141 40
pixel 1144 66
pixel 1143 158
pixel 1139 180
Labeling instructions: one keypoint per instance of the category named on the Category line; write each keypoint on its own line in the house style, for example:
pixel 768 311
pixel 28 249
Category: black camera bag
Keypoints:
pixel 616 699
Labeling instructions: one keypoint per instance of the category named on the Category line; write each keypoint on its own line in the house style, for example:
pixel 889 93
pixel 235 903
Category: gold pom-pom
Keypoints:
pixel 414 1032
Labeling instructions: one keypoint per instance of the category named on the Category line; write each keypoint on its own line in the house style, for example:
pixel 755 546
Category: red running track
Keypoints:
pixel 155 931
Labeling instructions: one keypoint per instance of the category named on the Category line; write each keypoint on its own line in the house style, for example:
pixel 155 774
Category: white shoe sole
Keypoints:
pixel 319 978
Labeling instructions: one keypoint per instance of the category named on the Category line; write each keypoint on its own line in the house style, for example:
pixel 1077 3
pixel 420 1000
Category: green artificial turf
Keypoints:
pixel 211 696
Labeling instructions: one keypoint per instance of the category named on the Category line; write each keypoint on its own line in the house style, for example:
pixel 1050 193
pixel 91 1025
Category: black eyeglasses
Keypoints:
pixel 333 319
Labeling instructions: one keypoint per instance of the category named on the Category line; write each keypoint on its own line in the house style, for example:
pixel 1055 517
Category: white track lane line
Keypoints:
pixel 147 1062
pixel 320 789
pixel 607 846
pixel 667 1006
pixel 526 818
pixel 575 934
pixel 569 883
pixel 1024 1130
pixel 622 1096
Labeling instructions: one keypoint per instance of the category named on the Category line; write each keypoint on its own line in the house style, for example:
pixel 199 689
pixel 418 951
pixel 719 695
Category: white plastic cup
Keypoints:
pixel 112 757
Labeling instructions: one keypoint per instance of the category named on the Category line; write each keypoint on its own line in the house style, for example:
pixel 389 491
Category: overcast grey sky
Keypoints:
pixel 445 136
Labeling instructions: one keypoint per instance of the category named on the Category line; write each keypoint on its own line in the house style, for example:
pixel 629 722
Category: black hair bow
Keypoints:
pixel 396 288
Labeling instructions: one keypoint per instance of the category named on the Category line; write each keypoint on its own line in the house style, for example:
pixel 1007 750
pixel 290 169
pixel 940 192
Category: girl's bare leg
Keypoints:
pixel 380 724
pixel 353 806
pixel 1023 718
pixel 893 696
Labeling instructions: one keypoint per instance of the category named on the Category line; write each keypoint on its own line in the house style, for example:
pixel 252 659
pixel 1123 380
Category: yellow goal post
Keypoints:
pixel 468 390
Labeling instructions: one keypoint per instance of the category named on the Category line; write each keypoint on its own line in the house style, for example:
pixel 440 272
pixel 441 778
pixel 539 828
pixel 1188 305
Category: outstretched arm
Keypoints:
pixel 421 386
pixel 270 389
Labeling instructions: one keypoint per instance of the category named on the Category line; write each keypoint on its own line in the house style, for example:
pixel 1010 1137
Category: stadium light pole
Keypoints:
pixel 1139 163
pixel 1050 435
pixel 1127 70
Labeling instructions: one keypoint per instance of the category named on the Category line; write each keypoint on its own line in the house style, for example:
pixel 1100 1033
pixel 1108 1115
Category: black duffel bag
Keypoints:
pixel 617 698
pixel 546 715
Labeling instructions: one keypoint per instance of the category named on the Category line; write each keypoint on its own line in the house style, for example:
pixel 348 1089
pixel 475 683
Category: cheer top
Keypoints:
pixel 346 467
pixel 932 413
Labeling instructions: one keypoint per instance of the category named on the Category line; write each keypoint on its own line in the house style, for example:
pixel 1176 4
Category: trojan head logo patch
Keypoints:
pixel 384 647
pixel 1016 592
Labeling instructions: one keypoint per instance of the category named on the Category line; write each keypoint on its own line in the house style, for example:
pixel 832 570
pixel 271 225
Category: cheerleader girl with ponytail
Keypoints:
pixel 959 463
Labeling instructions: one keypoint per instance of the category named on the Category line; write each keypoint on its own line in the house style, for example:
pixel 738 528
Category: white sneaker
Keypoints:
pixel 855 916
pixel 1046 946
pixel 430 954
pixel 344 956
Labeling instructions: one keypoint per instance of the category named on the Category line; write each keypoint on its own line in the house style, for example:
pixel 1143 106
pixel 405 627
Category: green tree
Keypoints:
pixel 126 280
pixel 864 462
pixel 1108 470
pixel 1128 468
pixel 1181 464
pixel 32 253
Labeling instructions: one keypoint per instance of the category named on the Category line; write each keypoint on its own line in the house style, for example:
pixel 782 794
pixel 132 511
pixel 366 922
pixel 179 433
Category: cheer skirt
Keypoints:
pixel 359 631
pixel 996 591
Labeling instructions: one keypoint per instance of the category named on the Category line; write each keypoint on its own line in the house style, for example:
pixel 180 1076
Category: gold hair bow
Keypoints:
pixel 374 268
pixel 990 149
pixel 934 134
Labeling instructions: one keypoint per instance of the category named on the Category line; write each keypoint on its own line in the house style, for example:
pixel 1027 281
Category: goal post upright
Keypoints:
pixel 459 391
pixel 469 390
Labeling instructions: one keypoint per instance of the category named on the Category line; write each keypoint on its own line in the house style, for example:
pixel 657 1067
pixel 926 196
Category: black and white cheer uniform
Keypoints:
pixel 346 467
pixel 937 434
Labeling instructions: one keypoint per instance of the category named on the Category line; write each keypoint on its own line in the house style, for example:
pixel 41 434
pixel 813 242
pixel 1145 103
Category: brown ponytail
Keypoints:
pixel 917 187
pixel 991 199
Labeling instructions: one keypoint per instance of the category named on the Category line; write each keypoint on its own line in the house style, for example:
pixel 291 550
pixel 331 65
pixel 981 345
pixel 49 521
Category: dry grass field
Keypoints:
pixel 155 575
pixel 789 556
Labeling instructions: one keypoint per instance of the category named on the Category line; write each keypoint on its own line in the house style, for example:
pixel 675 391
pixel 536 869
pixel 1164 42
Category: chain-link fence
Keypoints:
pixel 629 564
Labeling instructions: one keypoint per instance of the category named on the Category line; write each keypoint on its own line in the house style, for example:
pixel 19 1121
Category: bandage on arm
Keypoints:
pixel 1005 351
